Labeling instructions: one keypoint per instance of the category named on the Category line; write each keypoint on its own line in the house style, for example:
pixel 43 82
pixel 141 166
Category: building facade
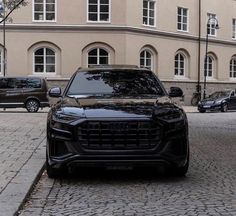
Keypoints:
pixel 52 38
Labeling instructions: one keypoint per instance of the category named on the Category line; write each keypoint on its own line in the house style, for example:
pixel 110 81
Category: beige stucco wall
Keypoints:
pixel 71 36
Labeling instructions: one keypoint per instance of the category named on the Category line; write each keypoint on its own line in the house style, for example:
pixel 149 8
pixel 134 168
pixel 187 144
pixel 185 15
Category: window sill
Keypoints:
pixel 149 26
pixel 181 78
pixel 44 21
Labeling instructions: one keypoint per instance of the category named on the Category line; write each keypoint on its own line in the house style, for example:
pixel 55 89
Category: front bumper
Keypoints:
pixel 209 107
pixel 63 151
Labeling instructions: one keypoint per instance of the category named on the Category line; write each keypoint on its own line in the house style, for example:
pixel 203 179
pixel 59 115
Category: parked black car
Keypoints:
pixel 116 116
pixel 23 92
pixel 219 100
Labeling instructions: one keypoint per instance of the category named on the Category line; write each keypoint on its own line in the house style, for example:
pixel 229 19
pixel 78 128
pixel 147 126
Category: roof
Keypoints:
pixel 113 67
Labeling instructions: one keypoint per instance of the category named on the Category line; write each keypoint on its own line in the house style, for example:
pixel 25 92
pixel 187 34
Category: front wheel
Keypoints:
pixel 179 171
pixel 32 105
pixel 55 172
pixel 202 111
pixel 224 107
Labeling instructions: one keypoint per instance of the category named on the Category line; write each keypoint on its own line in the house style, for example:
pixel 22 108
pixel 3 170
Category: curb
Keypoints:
pixel 14 196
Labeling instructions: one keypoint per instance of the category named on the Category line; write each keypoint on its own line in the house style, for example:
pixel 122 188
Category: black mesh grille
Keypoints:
pixel 118 135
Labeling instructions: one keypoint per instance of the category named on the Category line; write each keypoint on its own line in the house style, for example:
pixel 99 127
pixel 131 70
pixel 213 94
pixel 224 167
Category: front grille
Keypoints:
pixel 119 135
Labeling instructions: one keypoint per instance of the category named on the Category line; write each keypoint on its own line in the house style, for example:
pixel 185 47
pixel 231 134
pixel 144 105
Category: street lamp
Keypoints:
pixel 216 26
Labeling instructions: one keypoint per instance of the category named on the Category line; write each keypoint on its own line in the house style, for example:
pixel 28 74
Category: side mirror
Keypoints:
pixel 54 92
pixel 175 92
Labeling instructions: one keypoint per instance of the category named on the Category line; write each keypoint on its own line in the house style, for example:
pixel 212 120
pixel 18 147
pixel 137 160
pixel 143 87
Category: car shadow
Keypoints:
pixel 121 175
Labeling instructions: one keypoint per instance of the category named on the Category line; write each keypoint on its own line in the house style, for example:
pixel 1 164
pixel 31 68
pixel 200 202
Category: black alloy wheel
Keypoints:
pixel 224 107
pixel 55 172
pixel 32 105
pixel 202 111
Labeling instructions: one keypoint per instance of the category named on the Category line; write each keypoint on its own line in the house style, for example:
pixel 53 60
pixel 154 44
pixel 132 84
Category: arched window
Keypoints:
pixel 180 64
pixel 233 67
pixel 44 61
pixel 146 59
pixel 98 56
pixel 209 66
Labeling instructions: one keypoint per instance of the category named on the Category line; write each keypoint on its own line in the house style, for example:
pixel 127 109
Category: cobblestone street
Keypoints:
pixel 208 189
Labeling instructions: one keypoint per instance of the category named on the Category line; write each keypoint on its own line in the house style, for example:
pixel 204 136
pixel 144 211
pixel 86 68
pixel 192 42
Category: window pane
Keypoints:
pixel 38 60
pixel 38 7
pixel 38 16
pixel 50 60
pixel 93 16
pixel 49 52
pixel 103 60
pixel 104 8
pixel 50 16
pixel 39 52
pixel 38 68
pixel 104 17
pixel 93 52
pixel 38 1
pixel 50 7
pixel 50 1
pixel 93 1
pixel 92 60
pixel 50 68
pixel 93 8
pixel 151 22
pixel 145 20
pixel 104 1
pixel 103 52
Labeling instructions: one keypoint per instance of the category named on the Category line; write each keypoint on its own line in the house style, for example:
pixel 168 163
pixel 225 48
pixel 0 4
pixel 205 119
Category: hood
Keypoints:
pixel 114 108
pixel 213 100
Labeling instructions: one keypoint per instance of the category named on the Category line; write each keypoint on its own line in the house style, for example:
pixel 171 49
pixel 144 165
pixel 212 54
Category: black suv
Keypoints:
pixel 116 116
pixel 24 92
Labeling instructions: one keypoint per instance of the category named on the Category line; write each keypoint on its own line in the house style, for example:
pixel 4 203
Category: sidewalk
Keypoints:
pixel 22 151
pixel 22 156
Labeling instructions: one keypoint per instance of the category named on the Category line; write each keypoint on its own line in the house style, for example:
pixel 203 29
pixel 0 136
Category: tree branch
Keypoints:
pixel 17 5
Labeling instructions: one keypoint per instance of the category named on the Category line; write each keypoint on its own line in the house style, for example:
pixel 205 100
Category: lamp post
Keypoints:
pixel 2 15
pixel 216 26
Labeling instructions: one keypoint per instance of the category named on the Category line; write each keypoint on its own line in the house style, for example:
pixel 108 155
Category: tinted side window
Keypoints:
pixel 19 83
pixel 3 83
pixel 33 83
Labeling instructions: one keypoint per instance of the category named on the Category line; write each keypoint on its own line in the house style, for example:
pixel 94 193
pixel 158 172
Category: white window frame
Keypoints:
pixel 232 73
pixel 212 67
pixel 44 13
pixel 178 68
pixel 98 12
pixel 98 55
pixel 148 13
pixel 212 25
pixel 44 60
pixel 234 29
pixel 181 15
pixel 146 58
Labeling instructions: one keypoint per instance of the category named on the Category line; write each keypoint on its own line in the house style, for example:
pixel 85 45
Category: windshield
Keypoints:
pixel 220 94
pixel 115 83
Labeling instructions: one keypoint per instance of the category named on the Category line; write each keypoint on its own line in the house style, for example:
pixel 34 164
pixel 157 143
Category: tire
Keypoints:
pixel 224 107
pixel 202 111
pixel 32 105
pixel 55 172
pixel 179 171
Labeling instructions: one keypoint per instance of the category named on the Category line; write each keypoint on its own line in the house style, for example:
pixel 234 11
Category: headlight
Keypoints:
pixel 58 117
pixel 61 121
pixel 218 102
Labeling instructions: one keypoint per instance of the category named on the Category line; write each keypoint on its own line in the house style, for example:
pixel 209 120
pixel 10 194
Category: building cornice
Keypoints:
pixel 113 28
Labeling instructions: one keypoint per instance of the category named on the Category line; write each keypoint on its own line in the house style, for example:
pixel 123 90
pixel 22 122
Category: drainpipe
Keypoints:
pixel 198 87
